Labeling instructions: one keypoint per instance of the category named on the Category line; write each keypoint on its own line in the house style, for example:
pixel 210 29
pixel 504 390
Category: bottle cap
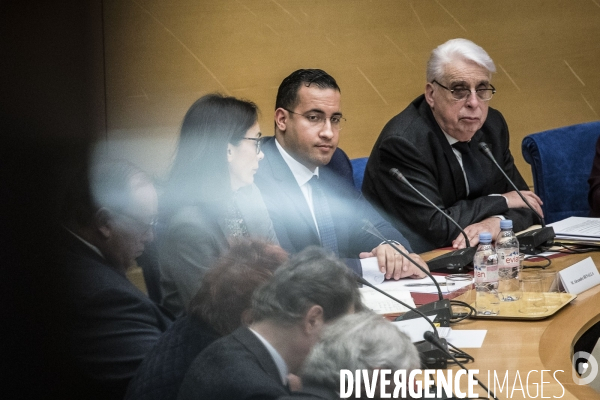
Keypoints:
pixel 506 224
pixel 485 237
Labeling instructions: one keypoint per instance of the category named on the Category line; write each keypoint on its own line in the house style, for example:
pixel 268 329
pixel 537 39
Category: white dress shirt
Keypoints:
pixel 302 175
pixel 279 361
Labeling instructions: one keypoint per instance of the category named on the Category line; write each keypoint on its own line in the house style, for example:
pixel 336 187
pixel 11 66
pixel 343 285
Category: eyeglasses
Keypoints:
pixel 460 93
pixel 257 141
pixel 317 119
pixel 143 227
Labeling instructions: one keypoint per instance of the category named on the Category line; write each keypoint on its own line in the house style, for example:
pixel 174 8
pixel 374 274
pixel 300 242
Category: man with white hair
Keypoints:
pixel 434 144
pixel 356 342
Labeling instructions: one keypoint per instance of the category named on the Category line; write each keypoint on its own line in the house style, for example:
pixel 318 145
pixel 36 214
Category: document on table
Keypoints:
pixel 577 228
pixel 382 304
pixel 468 339
pixel 424 285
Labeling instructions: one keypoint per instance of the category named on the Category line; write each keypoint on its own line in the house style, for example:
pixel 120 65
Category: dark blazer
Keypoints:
pixel 195 238
pixel 238 367
pixel 594 182
pixel 312 393
pixel 414 143
pixel 161 373
pixel 292 220
pixel 109 323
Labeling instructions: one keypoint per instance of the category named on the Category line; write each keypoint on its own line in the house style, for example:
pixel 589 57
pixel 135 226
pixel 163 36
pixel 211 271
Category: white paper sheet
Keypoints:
pixel 382 304
pixel 467 339
pixel 577 227
pixel 370 270
pixel 402 285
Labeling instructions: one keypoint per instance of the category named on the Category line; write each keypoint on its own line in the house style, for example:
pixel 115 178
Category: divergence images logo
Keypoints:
pixel 588 369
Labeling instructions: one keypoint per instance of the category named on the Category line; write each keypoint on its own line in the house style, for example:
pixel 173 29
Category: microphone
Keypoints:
pixel 365 282
pixel 441 308
pixel 431 357
pixel 454 261
pixel 443 347
pixel 530 241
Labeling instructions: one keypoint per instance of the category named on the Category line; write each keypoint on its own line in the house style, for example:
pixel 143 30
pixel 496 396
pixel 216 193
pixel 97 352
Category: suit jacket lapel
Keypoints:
pixel 455 171
pixel 288 186
pixel 255 346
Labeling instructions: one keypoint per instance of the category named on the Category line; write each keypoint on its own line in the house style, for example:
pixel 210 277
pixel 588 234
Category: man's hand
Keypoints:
pixel 491 225
pixel 514 200
pixel 394 265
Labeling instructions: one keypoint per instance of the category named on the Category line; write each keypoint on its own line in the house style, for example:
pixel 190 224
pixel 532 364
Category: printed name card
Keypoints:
pixel 580 276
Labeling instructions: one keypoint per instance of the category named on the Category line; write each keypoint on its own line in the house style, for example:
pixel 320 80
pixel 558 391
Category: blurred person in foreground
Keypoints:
pixel 209 197
pixel 305 294
pixel 362 341
pixel 434 144
pixel 110 324
pixel 306 181
pixel 221 305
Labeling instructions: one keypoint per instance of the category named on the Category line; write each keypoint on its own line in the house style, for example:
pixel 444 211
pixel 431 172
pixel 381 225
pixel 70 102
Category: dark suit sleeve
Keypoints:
pixel 399 153
pixel 429 164
pixel 351 209
pixel 363 239
pixel 114 334
pixel 187 251
pixel 594 182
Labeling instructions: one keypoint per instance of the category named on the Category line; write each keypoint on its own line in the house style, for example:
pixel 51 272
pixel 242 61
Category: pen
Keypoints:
pixel 424 284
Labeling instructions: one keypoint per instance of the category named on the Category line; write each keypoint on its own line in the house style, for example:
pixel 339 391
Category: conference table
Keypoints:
pixel 534 352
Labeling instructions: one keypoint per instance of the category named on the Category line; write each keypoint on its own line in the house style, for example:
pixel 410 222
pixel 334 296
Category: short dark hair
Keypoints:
pixel 200 171
pixel 226 289
pixel 312 277
pixel 287 95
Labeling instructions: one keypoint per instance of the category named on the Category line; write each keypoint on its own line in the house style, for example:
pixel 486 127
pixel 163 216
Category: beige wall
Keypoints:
pixel 162 55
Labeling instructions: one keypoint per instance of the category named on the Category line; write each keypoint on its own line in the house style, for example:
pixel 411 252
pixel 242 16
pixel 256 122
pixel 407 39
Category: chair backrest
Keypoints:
pixel 561 161
pixel 358 171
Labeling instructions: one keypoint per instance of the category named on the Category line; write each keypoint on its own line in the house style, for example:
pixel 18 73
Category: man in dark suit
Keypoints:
pixel 303 180
pixel 109 325
pixel 289 312
pixel 434 144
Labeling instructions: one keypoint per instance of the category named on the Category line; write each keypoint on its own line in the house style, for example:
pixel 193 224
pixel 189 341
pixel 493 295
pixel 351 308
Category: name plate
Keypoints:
pixel 580 276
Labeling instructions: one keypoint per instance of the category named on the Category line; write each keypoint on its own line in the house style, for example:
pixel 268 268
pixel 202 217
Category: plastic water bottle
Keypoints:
pixel 507 248
pixel 486 277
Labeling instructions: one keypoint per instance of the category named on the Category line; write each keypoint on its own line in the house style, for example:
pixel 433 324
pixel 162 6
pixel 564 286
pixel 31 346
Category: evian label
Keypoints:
pixel 508 258
pixel 486 273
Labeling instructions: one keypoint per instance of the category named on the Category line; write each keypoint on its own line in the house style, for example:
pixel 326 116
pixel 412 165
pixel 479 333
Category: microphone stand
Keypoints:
pixel 530 241
pixel 443 347
pixel 431 357
pixel 440 308
pixel 454 261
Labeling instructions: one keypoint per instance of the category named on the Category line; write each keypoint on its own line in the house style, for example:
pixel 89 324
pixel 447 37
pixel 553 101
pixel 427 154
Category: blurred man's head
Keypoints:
pixel 310 290
pixel 225 295
pixel 114 207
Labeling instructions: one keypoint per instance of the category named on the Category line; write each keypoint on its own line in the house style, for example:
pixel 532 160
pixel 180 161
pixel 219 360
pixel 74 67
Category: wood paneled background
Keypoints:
pixel 161 55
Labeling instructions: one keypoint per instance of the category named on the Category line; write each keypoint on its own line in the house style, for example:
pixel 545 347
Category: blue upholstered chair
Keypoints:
pixel 561 161
pixel 358 170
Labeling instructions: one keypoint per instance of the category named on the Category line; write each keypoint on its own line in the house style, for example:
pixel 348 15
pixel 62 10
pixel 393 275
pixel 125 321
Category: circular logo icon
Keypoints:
pixel 586 371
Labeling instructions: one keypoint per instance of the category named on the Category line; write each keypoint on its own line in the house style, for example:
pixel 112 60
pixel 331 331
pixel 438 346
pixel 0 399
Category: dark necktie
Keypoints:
pixel 472 169
pixel 323 216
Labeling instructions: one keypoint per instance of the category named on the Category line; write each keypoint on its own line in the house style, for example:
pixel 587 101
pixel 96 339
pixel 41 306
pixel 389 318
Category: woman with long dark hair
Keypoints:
pixel 210 197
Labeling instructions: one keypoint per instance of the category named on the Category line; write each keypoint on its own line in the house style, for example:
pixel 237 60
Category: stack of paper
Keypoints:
pixel 578 230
